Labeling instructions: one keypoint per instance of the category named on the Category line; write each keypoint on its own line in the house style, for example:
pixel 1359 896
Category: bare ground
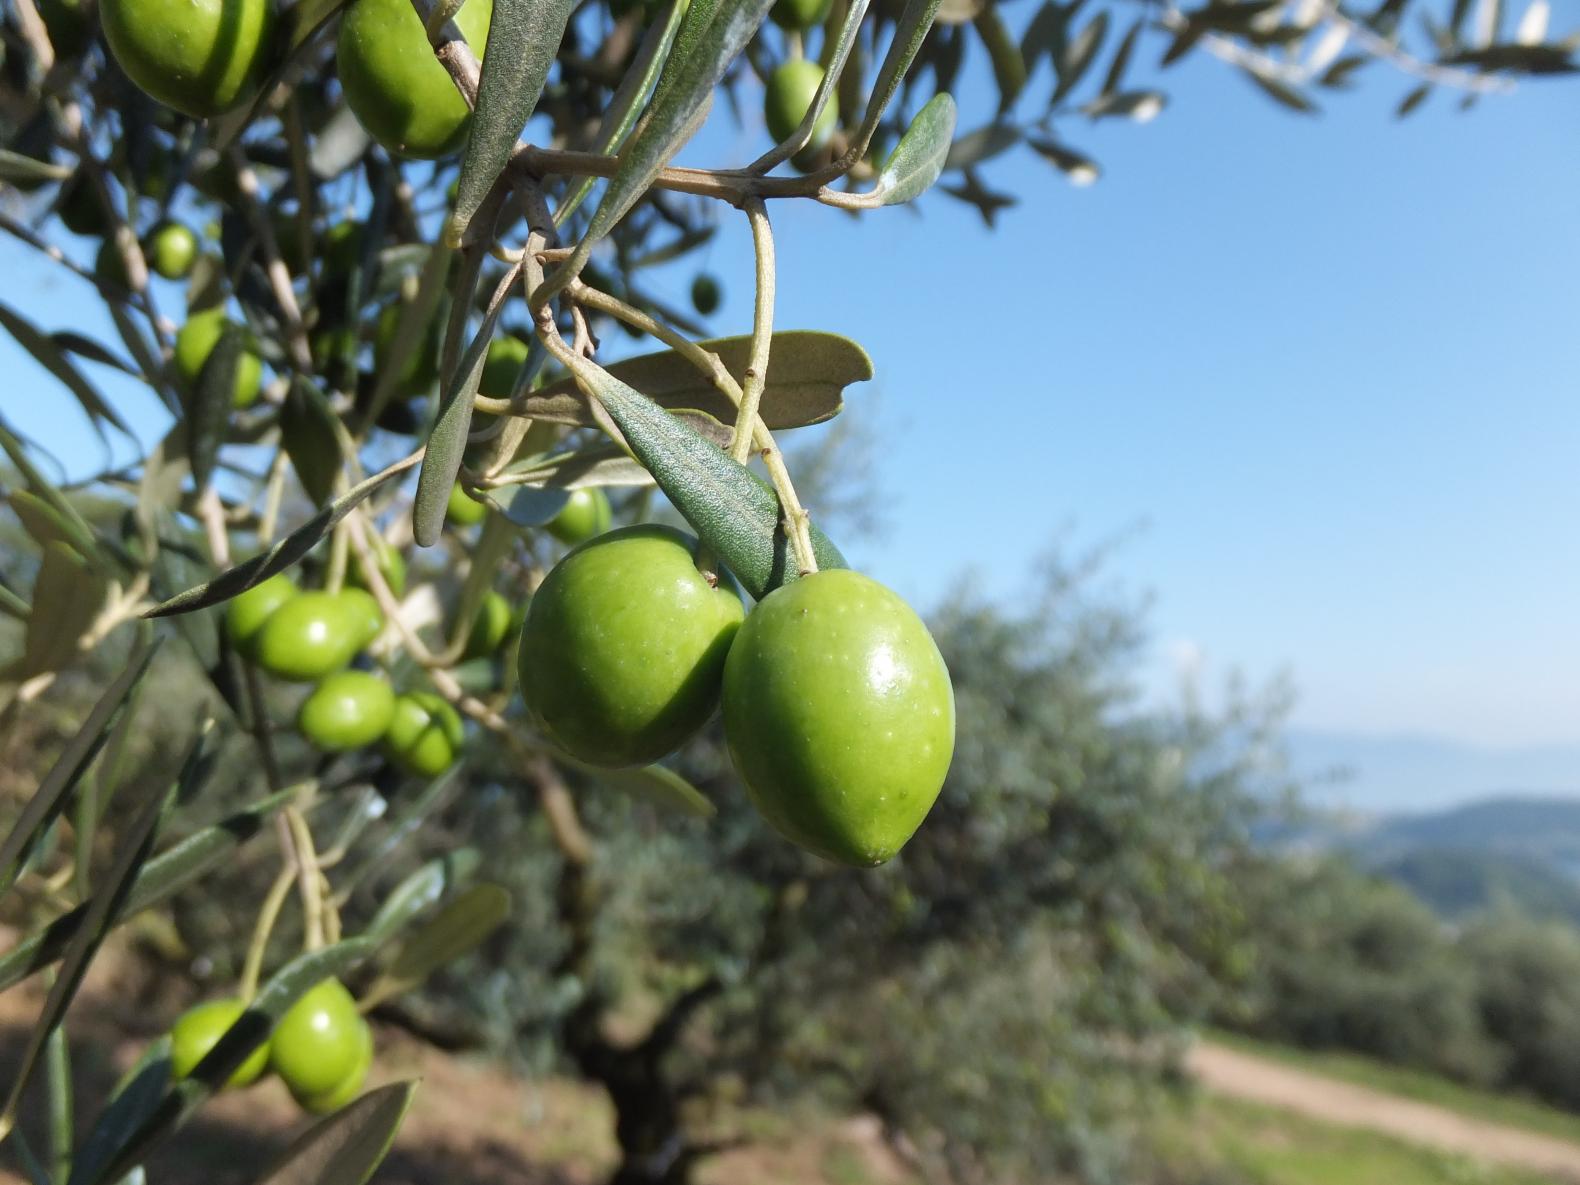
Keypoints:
pixel 1253 1079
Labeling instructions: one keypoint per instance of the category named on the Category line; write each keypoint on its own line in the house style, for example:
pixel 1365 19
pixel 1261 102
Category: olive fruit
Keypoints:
pixel 506 356
pixel 705 295
pixel 424 735
pixel 246 612
pixel 623 647
pixel 350 1086
pixel 421 369
pixel 800 14
pixel 839 715
pixel 791 89
pixel 463 510
pixel 110 266
pixel 172 250
pixel 490 627
pixel 201 57
pixel 198 1030
pixel 348 710
pixel 393 83
pixel 390 563
pixel 196 340
pixel 585 516
pixel 316 633
pixel 80 209
pixel 319 1043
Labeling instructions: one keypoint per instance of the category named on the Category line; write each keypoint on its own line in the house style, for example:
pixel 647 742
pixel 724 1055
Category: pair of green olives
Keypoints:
pixel 585 514
pixel 838 709
pixel 301 636
pixel 196 340
pixel 321 1048
pixel 421 732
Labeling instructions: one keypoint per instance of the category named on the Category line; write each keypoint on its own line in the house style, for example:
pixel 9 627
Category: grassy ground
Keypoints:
pixel 1511 1110
pixel 1211 1141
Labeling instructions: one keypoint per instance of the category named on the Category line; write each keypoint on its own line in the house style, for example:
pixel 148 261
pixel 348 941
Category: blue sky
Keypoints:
pixel 1322 376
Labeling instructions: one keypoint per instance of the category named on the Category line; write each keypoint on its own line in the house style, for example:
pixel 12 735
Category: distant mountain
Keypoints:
pixel 1457 883
pixel 1383 774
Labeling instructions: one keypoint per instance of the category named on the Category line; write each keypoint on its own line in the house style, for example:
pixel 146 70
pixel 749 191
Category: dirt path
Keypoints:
pixel 1259 1080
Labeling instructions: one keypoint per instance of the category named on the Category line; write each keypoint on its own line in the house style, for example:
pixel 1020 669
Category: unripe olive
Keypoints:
pixel 173 250
pixel 80 209
pixel 421 369
pixel 506 356
pixel 705 295
pixel 463 510
pixel 800 14
pixel 623 647
pixel 490 627
pixel 319 1042
pixel 350 1086
pixel 199 1029
pixel 196 340
pixel 348 710
pixel 391 565
pixel 791 89
pixel 584 517
pixel 246 612
pixel 201 57
pixel 425 734
pixel 839 715
pixel 316 634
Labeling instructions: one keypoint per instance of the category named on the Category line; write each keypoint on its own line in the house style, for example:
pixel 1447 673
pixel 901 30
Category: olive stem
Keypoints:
pixel 274 266
pixel 335 579
pixel 308 878
pixel 756 378
pixel 274 492
pixel 268 914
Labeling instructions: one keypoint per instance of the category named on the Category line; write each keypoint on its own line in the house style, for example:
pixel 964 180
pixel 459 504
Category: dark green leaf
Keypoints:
pixel 1281 92
pixel 1044 35
pixel 68 769
pixel 1009 68
pixel 345 1148
pixel 134 1100
pixel 975 147
pixel 1116 69
pixel 910 31
pixel 1184 41
pixel 1338 74
pixel 422 890
pixel 102 912
pixel 19 169
pixel 309 432
pixel 448 935
pixel 733 511
pixel 160 879
pixel 209 414
pixel 1079 55
pixel 46 525
pixel 86 347
pixel 660 786
pixel 920 156
pixel 52 357
pixel 1518 59
pixel 68 593
pixel 284 553
pixel 805 381
pixel 1081 170
pixel 1413 100
pixel 705 47
pixel 1141 106
pixel 523 37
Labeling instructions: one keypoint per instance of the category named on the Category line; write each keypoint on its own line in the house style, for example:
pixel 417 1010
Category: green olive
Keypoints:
pixel 791 89
pixel 319 1041
pixel 198 1030
pixel 421 369
pixel 839 716
pixel 391 566
pixel 585 516
pixel 246 612
pixel 348 710
pixel 425 734
pixel 800 14
pixel 393 83
pixel 506 356
pixel 196 340
pixel 80 209
pixel 350 1086
pixel 464 510
pixel 201 57
pixel 315 634
pixel 490 627
pixel 705 295
pixel 623 647
pixel 172 250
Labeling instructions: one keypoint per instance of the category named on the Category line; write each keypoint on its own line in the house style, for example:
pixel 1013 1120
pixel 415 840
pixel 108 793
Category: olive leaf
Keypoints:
pixel 1009 68
pixel 284 553
pixel 209 414
pixel 1078 55
pixel 101 914
pixel 1140 106
pixel 734 511
pixel 421 890
pixel 1081 170
pixel 345 1148
pixel 51 355
pixel 239 1041
pixel 1280 91
pixel 131 1103
pixel 626 102
pixel 916 20
pixel 86 347
pixel 443 938
pixel 73 762
pixel 309 432
pixel 158 880
pixel 660 786
pixel 46 525
pixel 920 156
pixel 598 465
pixel 805 383
pixel 20 169
pixel 530 505
pixel 304 21
pixel 523 38
pixel 68 593
pixel 711 36
pixel 833 66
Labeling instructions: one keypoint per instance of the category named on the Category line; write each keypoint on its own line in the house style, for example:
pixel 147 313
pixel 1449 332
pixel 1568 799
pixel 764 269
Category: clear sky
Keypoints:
pixel 1322 376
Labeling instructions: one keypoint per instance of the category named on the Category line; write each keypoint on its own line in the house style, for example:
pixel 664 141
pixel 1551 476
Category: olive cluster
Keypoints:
pixel 321 1048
